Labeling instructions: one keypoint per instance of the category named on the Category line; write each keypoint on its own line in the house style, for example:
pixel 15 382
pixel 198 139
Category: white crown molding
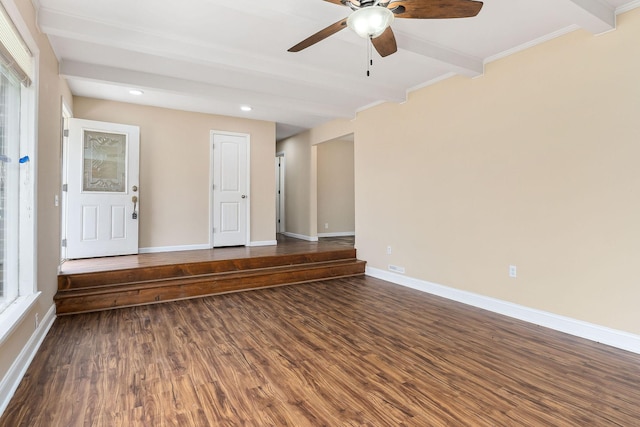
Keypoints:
pixel 431 82
pixel 532 43
pixel 627 7
pixel 615 338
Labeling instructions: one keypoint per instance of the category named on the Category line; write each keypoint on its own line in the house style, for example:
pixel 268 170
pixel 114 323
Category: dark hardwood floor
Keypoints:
pixel 286 246
pixel 96 284
pixel 343 352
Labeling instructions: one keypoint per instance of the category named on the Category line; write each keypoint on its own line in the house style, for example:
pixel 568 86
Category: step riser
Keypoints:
pixel 125 296
pixel 87 280
pixel 240 275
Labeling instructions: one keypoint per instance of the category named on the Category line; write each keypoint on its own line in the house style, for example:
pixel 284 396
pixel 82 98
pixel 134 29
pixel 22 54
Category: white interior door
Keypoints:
pixel 102 197
pixel 230 183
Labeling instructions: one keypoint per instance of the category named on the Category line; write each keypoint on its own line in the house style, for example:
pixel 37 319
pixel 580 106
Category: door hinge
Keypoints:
pixel 65 187
pixel 64 243
pixel 65 133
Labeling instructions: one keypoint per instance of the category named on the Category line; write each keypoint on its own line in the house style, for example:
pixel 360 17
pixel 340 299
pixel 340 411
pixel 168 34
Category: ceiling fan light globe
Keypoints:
pixel 370 22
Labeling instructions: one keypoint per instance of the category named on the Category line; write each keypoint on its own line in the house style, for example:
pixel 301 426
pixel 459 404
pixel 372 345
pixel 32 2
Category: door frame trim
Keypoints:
pixel 281 199
pixel 247 137
pixel 66 114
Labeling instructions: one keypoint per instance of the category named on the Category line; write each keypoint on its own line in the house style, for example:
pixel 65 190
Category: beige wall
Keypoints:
pixel 297 153
pixel 336 186
pixel 174 169
pixel 51 90
pixel 331 130
pixel 300 152
pixel 535 164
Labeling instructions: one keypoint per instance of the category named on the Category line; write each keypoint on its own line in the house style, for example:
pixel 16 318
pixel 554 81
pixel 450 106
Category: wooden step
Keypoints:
pixel 168 283
pixel 110 277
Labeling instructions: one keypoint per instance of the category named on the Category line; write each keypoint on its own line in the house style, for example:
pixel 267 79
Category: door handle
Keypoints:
pixel 244 196
pixel 134 199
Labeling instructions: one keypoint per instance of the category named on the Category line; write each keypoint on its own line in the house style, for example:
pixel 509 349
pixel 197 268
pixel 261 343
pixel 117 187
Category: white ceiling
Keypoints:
pixel 213 56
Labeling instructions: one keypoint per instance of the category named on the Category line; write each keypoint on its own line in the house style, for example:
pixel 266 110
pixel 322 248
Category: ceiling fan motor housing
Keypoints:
pixel 370 21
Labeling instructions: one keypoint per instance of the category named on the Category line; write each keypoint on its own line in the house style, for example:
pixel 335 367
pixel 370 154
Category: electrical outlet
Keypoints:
pixel 513 271
pixel 388 250
pixel 326 225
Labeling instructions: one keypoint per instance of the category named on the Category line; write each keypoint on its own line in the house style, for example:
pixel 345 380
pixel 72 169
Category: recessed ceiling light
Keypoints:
pixel 245 108
pixel 136 92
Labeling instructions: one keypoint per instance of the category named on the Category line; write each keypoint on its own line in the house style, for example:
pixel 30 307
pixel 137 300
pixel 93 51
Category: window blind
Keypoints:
pixel 14 53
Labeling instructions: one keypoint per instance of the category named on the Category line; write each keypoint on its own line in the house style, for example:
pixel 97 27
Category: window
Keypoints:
pixel 9 185
pixel 17 130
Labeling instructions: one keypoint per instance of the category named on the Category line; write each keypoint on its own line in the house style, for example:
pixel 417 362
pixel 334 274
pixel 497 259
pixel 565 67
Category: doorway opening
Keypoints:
pixel 336 188
pixel 280 193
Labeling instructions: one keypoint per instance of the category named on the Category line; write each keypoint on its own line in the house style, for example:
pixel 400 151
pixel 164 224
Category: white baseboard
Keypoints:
pixel 301 236
pixel 338 234
pixel 263 243
pixel 155 249
pixel 613 337
pixel 11 380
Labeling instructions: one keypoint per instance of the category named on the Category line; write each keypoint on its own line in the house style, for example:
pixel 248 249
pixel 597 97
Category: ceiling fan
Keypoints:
pixel 372 19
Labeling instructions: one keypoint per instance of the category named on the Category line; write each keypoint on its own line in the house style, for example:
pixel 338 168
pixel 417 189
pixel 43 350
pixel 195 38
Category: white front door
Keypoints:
pixel 230 183
pixel 102 197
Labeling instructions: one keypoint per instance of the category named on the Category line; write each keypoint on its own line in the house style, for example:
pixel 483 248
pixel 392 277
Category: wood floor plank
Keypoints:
pixel 344 352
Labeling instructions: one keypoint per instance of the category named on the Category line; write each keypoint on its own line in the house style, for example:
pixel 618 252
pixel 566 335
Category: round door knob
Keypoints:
pixel 244 196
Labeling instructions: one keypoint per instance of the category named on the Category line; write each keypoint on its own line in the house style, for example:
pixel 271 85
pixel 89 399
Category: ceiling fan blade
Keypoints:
pixel 385 43
pixel 340 2
pixel 319 36
pixel 434 9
